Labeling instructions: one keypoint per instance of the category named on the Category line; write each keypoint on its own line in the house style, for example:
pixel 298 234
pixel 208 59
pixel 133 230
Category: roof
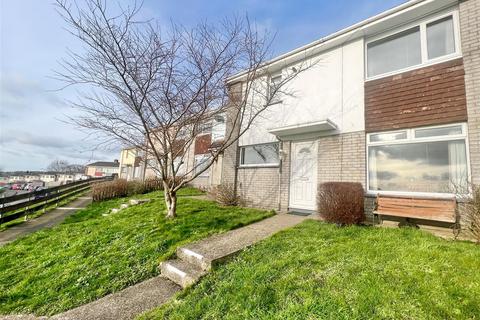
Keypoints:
pixel 402 14
pixel 112 164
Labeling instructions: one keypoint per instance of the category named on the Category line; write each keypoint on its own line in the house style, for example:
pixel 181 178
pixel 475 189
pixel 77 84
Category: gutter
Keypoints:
pixel 343 32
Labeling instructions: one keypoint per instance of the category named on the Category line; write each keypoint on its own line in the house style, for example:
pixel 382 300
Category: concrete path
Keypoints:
pixel 196 259
pixel 125 304
pixel 198 256
pixel 46 220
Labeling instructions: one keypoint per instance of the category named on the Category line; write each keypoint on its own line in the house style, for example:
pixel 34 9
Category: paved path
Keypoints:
pixel 125 304
pixel 46 220
pixel 144 296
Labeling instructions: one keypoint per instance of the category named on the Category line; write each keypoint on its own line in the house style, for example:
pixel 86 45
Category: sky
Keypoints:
pixel 34 112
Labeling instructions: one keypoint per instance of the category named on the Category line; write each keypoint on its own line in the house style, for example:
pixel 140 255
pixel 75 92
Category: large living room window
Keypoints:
pixel 259 155
pixel 421 160
pixel 421 44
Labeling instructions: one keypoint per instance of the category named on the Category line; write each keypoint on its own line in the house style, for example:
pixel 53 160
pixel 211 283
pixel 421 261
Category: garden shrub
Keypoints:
pixel 135 187
pixel 109 189
pixel 121 188
pixel 341 202
pixel 225 194
pixel 152 184
pixel 472 214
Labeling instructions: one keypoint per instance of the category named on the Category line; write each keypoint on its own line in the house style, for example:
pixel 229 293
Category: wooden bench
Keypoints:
pixel 419 208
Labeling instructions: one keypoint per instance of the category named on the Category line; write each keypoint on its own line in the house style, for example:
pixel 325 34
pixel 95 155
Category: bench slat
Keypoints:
pixel 429 209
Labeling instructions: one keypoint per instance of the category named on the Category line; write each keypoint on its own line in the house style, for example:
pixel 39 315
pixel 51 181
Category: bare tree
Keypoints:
pixel 58 165
pixel 157 91
pixel 64 166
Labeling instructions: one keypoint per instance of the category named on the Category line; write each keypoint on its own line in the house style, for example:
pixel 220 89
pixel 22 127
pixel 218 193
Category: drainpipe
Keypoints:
pixel 280 157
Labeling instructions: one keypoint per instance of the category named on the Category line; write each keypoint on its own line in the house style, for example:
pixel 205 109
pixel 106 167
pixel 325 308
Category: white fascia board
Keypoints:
pixel 384 21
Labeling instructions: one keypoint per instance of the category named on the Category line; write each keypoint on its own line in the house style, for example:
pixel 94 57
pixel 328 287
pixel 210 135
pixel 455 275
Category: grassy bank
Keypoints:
pixel 89 256
pixel 320 271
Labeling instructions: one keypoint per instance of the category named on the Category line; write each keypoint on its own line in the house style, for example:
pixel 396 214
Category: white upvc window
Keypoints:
pixel 274 82
pixel 218 128
pixel 423 161
pixel 423 43
pixel 201 162
pixel 260 155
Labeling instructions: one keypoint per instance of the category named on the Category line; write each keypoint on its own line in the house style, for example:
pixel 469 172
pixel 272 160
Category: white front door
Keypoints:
pixel 303 180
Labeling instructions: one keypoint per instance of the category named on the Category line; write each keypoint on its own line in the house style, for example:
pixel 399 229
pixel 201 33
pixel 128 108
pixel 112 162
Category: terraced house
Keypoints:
pixel 392 102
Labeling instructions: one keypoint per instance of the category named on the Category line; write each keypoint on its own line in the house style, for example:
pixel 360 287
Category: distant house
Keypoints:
pixel 16 178
pixel 48 177
pixel 102 169
pixel 64 178
pixel 131 164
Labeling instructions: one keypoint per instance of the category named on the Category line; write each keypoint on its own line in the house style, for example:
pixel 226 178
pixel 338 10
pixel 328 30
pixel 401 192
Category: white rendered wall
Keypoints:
pixel 333 89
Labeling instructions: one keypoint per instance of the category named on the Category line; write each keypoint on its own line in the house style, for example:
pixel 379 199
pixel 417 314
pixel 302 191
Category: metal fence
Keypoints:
pixel 21 205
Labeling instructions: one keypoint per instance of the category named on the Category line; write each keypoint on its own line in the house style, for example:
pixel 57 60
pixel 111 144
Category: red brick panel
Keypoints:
pixel 203 143
pixel 428 96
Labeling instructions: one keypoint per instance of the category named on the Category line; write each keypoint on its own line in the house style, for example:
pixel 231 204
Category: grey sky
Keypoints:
pixel 33 131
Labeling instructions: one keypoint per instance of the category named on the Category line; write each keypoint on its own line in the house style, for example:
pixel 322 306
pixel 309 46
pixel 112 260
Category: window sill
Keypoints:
pixel 433 195
pixel 257 166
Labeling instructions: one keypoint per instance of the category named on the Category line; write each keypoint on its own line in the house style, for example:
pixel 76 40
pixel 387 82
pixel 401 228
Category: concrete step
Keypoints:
pixel 195 258
pixel 181 272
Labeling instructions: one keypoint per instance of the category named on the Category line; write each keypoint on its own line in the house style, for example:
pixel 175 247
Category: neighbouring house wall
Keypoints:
pixel 426 96
pixel 90 171
pixel 229 163
pixel 470 33
pixel 342 158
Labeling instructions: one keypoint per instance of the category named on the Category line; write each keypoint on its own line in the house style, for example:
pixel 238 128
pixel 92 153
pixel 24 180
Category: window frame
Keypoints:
pixel 257 165
pixel 412 140
pixel 272 76
pixel 205 158
pixel 423 43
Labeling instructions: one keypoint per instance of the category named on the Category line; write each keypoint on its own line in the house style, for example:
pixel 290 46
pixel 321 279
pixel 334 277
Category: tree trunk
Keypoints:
pixel 171 202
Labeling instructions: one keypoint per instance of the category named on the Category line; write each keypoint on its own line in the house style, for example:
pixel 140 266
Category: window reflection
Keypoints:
pixel 419 167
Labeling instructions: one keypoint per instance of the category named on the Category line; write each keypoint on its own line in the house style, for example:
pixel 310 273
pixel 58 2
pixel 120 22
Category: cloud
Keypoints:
pixel 19 94
pixel 36 140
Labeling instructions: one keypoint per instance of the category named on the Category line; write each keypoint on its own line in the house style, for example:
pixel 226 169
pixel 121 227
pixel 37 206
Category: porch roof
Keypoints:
pixel 309 127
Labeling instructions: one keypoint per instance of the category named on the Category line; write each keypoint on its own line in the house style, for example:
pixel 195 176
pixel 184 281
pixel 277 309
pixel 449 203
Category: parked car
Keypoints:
pixel 17 186
pixel 39 194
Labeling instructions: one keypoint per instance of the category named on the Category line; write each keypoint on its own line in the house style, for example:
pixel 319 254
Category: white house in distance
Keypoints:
pixel 102 169
pixel 131 165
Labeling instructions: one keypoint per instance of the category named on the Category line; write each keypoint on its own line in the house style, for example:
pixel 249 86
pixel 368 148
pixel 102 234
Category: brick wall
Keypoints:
pixel 470 34
pixel 342 158
pixel 258 187
pixel 230 154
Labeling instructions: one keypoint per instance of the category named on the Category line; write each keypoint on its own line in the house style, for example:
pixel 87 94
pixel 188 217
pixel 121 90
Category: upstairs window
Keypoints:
pixel 418 45
pixel 440 38
pixel 394 53
pixel 274 84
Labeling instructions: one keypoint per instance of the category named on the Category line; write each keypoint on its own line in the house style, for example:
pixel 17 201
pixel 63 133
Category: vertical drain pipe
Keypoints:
pixel 280 164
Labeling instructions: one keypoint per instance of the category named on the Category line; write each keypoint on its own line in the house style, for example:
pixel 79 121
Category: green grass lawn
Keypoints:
pixel 320 271
pixel 89 256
